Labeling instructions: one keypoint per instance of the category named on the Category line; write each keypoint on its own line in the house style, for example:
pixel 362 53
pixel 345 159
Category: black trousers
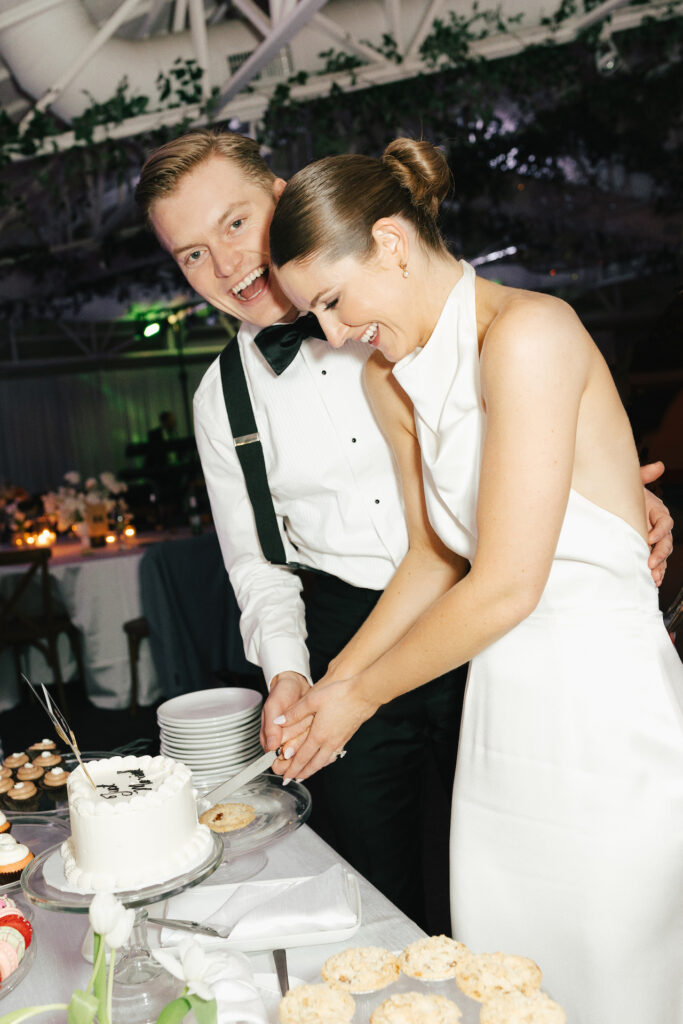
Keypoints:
pixel 371 805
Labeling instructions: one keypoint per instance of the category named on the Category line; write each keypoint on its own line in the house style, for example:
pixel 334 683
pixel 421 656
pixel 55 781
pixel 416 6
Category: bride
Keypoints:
pixel 529 558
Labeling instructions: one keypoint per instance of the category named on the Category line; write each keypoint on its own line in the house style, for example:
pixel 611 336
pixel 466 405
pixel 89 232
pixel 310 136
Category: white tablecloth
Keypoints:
pixel 100 592
pixel 59 966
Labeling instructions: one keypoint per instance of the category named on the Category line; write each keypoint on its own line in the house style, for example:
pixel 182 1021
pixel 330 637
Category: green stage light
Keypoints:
pixel 151 329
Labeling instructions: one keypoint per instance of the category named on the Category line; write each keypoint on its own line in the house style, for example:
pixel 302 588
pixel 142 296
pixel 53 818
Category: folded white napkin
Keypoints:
pixel 259 910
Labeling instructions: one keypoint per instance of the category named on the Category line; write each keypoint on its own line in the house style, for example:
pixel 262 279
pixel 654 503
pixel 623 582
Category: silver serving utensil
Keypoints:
pixel 223 789
pixel 280 958
pixel 216 932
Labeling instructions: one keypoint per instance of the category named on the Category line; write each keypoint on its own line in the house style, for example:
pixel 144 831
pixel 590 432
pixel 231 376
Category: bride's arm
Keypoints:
pixel 534 369
pixel 429 569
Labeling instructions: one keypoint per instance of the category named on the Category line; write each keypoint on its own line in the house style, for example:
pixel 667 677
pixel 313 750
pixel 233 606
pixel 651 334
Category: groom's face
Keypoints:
pixel 215 225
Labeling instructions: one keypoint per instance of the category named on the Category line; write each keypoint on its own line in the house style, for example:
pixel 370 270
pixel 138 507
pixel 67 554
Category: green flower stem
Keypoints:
pixel 110 986
pixel 98 951
pixel 17 1016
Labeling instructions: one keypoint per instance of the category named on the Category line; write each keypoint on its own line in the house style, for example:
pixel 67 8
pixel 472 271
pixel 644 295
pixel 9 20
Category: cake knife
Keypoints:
pixel 223 789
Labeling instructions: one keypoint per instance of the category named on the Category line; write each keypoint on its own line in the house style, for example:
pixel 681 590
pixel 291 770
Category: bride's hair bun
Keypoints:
pixel 421 169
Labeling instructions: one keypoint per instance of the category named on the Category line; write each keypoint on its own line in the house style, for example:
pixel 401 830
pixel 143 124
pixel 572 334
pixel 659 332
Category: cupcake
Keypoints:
pixel 38 748
pixel 13 859
pixel 485 976
pixel 48 759
pixel 24 796
pixel 416 1008
pixel 316 1004
pixel 54 782
pixel 5 825
pixel 433 959
pixel 29 773
pixel 5 786
pixel 5 773
pixel 15 761
pixel 363 969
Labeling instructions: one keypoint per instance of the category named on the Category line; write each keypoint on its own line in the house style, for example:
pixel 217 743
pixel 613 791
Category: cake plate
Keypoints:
pixel 142 987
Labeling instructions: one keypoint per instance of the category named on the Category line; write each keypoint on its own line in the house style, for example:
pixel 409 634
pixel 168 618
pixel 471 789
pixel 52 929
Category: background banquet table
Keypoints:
pixel 59 965
pixel 100 591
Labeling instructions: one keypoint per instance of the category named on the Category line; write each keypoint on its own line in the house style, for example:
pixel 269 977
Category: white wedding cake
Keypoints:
pixel 137 828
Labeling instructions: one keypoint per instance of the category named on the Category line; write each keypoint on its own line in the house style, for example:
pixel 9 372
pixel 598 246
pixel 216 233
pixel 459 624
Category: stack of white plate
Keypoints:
pixel 214 732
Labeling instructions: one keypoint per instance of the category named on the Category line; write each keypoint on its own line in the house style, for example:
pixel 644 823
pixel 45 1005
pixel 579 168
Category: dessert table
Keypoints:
pixel 59 966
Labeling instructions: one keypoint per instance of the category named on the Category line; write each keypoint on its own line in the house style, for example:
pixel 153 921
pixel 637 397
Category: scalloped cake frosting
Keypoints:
pixel 139 828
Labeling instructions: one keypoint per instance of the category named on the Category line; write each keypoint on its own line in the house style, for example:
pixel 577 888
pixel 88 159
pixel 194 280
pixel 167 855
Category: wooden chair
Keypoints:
pixel 28 616
pixel 136 630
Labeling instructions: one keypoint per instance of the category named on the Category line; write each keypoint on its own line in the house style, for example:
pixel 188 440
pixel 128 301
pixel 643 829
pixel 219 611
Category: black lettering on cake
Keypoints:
pixel 112 790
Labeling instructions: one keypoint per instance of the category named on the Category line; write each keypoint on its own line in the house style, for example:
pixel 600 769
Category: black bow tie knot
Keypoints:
pixel 280 343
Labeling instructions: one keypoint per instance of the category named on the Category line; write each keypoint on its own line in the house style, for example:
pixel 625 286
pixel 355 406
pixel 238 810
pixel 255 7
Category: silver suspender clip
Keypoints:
pixel 246 439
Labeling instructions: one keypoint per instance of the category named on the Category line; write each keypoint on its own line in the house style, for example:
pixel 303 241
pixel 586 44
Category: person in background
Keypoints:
pixel 528 557
pixel 210 198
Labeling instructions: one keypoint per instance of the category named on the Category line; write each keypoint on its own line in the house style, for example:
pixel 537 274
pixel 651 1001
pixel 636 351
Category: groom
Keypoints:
pixel 210 197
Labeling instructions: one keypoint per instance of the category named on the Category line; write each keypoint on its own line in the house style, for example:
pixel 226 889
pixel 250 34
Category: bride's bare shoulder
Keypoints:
pixel 528 321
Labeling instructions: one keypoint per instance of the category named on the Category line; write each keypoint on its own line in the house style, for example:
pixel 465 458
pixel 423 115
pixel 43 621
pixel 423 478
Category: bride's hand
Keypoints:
pixel 339 708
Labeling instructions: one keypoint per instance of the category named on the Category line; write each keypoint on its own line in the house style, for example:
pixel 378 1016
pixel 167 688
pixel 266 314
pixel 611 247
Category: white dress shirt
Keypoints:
pixel 332 478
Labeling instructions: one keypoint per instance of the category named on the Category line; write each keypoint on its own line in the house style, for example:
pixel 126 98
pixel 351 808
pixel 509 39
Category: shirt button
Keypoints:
pixel 376 501
pixel 323 372
pixel 353 440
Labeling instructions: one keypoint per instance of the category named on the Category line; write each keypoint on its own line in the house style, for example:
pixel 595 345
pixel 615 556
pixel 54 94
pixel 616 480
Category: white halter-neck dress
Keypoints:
pixel 567 820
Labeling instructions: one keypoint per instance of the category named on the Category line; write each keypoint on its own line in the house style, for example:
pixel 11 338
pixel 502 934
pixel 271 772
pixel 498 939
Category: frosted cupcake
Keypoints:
pixel 38 748
pixel 5 825
pixel 23 796
pixel 54 782
pixel 5 786
pixel 13 859
pixel 29 773
pixel 5 773
pixel 15 761
pixel 47 759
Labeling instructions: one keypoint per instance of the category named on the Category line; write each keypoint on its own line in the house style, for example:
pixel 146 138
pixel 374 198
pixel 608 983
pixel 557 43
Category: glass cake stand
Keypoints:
pixel 142 987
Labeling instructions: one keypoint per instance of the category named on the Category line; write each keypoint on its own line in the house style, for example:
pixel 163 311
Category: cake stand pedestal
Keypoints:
pixel 142 987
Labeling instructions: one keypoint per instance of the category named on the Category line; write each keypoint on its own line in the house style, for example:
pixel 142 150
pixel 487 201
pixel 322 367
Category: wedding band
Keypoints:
pixel 339 753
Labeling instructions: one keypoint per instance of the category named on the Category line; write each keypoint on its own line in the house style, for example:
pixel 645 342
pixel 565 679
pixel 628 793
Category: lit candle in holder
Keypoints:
pixel 110 538
pixel 45 538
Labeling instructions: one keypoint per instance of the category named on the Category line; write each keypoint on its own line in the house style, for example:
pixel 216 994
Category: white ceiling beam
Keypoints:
pixel 278 37
pixel 254 16
pixel 24 10
pixel 423 29
pixel 151 18
pixel 250 106
pixel 179 16
pixel 97 42
pixel 340 35
pixel 200 42
pixel 395 22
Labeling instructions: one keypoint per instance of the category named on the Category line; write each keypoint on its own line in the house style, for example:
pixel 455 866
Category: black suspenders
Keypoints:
pixel 250 452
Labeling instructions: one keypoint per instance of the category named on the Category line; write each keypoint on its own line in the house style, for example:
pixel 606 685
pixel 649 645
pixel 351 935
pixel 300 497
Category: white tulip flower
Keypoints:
pixel 110 919
pixel 197 968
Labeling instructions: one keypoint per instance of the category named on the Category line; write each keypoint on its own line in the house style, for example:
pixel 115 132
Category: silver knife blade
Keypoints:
pixel 253 769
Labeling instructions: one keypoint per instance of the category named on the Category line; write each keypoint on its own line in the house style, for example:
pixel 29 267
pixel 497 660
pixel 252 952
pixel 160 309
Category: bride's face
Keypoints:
pixel 356 300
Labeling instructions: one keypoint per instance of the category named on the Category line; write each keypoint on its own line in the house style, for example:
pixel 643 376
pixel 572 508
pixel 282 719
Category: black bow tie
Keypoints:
pixel 280 343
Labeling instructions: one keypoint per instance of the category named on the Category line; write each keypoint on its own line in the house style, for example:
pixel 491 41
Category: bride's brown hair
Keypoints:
pixel 329 207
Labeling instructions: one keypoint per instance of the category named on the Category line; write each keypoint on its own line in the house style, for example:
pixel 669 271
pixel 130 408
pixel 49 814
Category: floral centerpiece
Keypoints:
pixel 74 501
pixel 112 924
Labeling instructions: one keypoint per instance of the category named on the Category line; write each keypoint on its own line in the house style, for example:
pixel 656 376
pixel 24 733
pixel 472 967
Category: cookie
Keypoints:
pixel 484 976
pixel 228 817
pixel 363 969
pixel 416 1008
pixel 516 1008
pixel 316 1004
pixel 433 958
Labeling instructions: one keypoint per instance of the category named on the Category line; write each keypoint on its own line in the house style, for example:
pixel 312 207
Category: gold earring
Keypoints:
pixel 404 269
